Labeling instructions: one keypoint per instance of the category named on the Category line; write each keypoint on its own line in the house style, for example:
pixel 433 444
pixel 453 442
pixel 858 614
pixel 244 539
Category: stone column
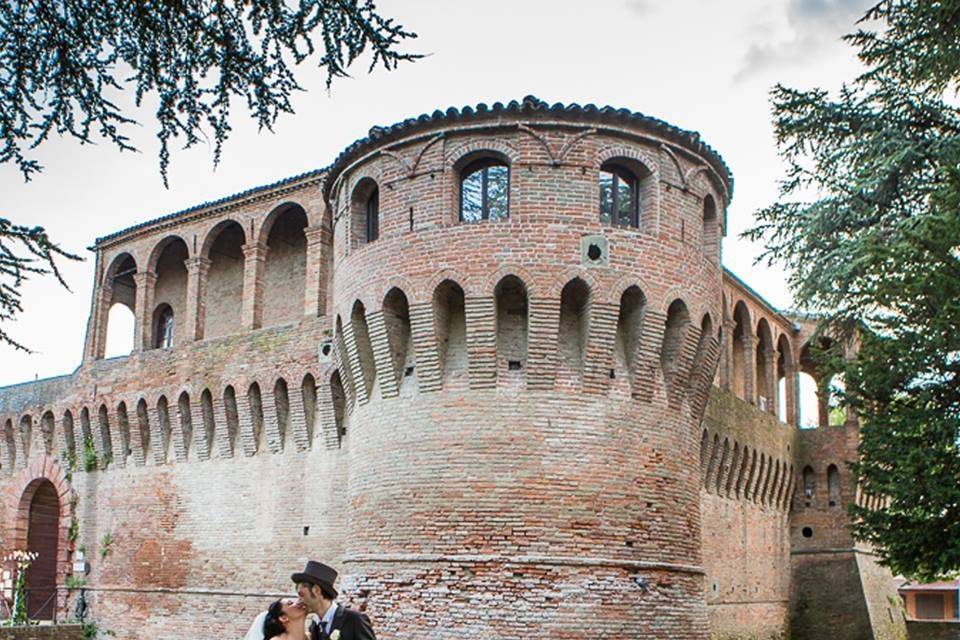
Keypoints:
pixel 823 403
pixel 255 256
pixel 196 284
pixel 314 297
pixel 143 328
pixel 791 394
pixel 770 359
pixel 97 343
pixel 726 362
pixel 750 368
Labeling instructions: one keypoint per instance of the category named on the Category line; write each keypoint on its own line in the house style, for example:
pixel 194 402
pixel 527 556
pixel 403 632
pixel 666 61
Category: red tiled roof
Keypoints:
pixel 950 585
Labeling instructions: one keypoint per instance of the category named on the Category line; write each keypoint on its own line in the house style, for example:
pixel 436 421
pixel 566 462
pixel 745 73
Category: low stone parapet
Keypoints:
pixel 43 632
pixel 931 629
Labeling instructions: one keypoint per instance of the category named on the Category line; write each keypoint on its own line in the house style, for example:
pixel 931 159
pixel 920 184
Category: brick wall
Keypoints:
pixel 285 269
pixel 746 545
pixel 223 300
pixel 505 439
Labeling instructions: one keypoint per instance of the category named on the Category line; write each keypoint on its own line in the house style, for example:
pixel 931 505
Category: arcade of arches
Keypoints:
pixel 229 283
pixel 761 367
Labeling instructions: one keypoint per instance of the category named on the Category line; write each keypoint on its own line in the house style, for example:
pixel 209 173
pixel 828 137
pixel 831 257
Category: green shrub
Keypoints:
pixel 89 455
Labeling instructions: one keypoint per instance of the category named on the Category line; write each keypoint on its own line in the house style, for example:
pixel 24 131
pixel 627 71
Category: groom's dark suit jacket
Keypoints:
pixel 353 625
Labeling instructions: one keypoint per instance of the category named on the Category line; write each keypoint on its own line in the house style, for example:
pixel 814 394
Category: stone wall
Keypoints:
pixel 928 630
pixel 51 632
pixel 884 605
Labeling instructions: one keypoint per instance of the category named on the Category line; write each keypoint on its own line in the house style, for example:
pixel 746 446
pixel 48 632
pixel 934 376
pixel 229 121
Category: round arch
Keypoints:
pixel 765 367
pixel 283 235
pixel 281 210
pixel 116 333
pixel 223 293
pixel 122 264
pixel 159 248
pixel 214 233
pixel 40 498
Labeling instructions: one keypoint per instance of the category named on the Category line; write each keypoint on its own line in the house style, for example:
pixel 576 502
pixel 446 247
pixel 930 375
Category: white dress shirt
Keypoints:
pixel 326 622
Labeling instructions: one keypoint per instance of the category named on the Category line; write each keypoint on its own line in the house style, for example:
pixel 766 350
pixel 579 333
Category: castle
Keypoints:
pixel 488 364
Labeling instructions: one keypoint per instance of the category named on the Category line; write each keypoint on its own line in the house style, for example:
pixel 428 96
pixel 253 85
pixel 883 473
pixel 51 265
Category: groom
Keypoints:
pixel 315 588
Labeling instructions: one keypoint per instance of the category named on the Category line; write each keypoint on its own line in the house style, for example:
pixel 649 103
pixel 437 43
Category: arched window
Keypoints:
pixel 364 212
pixel 170 290
pixel 118 334
pixel 619 196
pixel 836 411
pixel 809 482
pixel 786 382
pixel 629 328
pixel 833 485
pixel 285 269
pixel 765 367
pixel 513 311
pixel 809 401
pixel 223 293
pixel 120 327
pixel 710 229
pixel 485 190
pixel 163 327
pixel 678 320
pixel 372 215
pixel 574 327
pixel 449 311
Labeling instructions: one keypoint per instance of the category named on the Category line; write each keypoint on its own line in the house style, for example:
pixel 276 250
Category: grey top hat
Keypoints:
pixel 317 573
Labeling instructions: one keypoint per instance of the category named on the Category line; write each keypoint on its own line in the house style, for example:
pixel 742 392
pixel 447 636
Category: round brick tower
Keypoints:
pixel 526 302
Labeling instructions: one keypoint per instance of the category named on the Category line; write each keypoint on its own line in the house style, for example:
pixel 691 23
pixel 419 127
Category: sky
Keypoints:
pixel 702 65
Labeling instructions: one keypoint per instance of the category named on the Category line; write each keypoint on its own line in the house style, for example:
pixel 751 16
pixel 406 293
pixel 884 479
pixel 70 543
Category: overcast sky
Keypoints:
pixel 702 65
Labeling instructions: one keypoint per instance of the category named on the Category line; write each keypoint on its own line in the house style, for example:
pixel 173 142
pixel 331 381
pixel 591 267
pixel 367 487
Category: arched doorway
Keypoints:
pixel 42 538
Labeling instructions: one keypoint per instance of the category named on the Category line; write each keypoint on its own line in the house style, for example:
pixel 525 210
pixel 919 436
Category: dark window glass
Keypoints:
pixel 373 216
pixel 165 329
pixel 619 202
pixel 485 191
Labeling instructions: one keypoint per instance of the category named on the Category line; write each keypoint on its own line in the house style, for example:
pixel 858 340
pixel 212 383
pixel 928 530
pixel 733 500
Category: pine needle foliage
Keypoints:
pixel 24 252
pixel 64 63
pixel 868 225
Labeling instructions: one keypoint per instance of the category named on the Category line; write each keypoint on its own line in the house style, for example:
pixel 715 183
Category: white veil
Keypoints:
pixel 256 629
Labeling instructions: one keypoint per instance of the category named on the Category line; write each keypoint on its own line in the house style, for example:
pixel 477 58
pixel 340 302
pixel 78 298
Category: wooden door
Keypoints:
pixel 42 535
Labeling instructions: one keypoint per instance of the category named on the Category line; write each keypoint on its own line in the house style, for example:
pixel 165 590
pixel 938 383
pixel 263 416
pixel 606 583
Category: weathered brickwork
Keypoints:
pixel 60 632
pixel 539 425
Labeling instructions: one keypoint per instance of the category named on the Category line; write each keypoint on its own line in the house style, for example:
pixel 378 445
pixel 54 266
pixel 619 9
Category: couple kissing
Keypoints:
pixel 286 618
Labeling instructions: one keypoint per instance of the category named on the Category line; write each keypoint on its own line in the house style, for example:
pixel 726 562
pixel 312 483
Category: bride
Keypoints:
pixel 285 620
